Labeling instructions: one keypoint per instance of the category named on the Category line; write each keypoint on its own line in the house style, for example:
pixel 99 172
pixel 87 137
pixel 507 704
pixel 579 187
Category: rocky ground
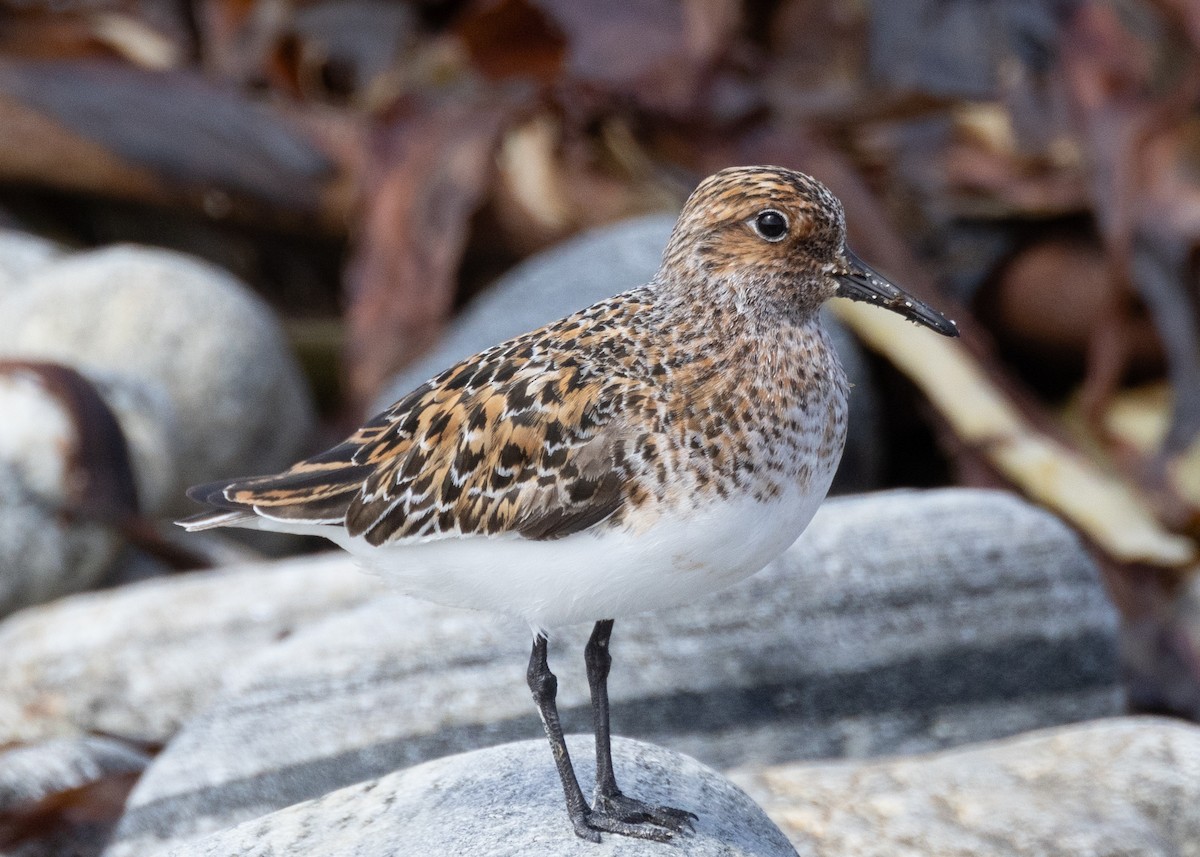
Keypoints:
pixel 926 672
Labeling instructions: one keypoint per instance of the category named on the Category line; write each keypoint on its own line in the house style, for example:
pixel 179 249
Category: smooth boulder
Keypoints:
pixel 505 801
pixel 900 622
pixel 21 255
pixel 139 660
pixel 238 401
pixel 1125 787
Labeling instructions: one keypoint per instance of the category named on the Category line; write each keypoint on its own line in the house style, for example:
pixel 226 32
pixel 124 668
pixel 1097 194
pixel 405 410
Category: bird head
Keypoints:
pixel 776 238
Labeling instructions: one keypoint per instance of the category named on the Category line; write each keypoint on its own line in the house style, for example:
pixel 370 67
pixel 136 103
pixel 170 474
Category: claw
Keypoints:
pixel 638 830
pixel 633 811
pixel 584 831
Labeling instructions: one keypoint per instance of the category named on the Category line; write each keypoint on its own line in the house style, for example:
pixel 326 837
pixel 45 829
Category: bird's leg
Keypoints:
pixel 608 799
pixel 586 822
pixel 599 660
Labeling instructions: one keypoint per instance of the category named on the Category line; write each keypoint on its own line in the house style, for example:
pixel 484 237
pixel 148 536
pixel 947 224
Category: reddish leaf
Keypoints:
pixel 430 171
pixel 1144 191
pixel 657 52
pixel 513 38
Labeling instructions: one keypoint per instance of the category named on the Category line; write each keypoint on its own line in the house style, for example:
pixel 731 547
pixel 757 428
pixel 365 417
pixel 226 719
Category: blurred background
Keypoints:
pixel 231 226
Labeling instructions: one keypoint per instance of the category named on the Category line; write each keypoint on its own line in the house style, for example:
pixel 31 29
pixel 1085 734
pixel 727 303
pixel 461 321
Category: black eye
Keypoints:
pixel 771 225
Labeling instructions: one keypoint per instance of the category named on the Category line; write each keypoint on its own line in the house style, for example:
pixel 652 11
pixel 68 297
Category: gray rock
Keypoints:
pixel 901 622
pixel 240 403
pixel 1127 787
pixel 31 773
pixel 62 797
pixel 504 801
pixel 149 423
pixel 598 264
pixel 43 553
pixel 138 660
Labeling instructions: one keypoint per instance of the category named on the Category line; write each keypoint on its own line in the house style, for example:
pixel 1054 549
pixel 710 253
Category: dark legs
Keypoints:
pixel 611 811
pixel 588 822
pixel 544 687
pixel 608 799
pixel 598 661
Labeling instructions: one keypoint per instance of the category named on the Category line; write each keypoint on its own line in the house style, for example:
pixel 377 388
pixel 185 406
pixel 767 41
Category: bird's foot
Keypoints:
pixel 628 816
pixel 590 824
pixel 628 810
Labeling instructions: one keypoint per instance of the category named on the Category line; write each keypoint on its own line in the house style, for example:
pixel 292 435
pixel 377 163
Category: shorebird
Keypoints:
pixel 651 448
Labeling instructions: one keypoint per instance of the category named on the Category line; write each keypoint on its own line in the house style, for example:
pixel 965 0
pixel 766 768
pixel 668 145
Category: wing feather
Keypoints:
pixel 530 438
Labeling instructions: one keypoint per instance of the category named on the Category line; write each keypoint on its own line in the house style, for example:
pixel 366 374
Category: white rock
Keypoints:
pixel 138 660
pixel 22 254
pixel 1125 787
pixel 505 801
pixel 162 318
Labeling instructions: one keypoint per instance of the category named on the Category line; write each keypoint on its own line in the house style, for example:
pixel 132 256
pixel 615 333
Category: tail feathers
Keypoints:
pixel 213 494
pixel 308 496
pixel 212 520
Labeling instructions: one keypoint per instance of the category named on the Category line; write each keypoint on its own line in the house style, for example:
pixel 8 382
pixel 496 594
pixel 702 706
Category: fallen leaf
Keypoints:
pixel 172 135
pixel 430 171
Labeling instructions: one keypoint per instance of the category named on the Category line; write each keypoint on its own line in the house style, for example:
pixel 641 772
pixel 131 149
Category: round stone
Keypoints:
pixel 240 404
pixel 44 553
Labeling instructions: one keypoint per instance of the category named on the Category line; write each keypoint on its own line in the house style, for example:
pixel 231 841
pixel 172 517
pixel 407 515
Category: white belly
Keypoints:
pixel 590 576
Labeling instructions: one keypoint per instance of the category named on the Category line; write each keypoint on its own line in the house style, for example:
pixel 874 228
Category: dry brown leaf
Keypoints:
pixel 655 52
pixel 431 171
pixel 149 34
pixel 513 38
pixel 1135 125
pixel 164 137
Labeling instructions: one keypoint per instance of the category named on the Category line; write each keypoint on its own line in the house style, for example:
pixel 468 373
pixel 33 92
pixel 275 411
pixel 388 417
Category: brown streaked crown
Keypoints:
pixel 716 238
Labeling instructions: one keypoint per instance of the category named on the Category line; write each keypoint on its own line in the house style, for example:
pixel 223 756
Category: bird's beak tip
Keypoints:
pixel 858 281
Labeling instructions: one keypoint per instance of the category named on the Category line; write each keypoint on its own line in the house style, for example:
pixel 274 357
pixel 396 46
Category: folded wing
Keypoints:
pixel 513 441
